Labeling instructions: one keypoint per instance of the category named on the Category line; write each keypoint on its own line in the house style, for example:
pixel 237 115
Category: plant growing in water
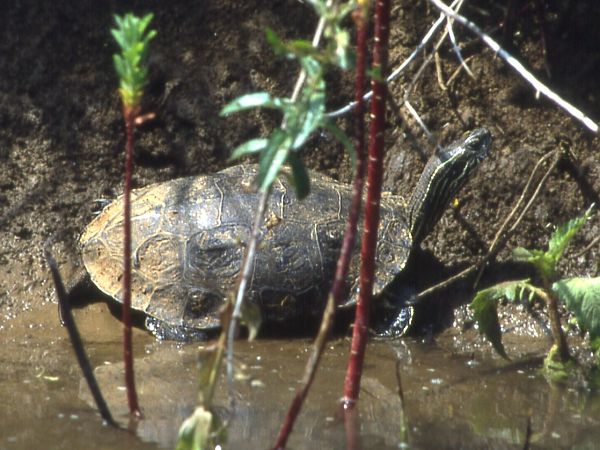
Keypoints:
pixel 581 296
pixel 133 38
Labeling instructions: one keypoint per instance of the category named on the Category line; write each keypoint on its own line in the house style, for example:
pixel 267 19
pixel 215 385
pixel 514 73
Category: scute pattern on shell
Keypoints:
pixel 188 238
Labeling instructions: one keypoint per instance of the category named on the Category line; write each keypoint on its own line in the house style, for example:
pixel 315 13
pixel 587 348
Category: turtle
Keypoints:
pixel 189 235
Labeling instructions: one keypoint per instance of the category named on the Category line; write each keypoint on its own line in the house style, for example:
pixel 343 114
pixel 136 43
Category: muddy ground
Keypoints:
pixel 61 140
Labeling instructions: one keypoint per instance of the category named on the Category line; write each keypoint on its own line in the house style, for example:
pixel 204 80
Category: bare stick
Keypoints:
pixel 343 262
pixel 455 46
pixel 515 64
pixel 400 69
pixel 69 322
pixel 374 181
pixel 247 267
pixel 509 218
pixel 493 251
pixel 411 86
pixel 588 247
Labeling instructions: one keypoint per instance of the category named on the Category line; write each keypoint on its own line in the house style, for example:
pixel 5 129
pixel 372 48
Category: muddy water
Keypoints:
pixel 457 394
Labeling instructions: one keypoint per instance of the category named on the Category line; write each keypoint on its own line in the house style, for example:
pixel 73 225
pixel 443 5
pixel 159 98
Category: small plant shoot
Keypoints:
pixel 581 296
pixel 133 37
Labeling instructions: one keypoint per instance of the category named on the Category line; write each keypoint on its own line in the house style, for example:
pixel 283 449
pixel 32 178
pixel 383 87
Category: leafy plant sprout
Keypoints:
pixel 581 296
pixel 133 37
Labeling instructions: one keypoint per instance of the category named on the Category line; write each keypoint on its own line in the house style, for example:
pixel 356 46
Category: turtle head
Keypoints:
pixel 444 175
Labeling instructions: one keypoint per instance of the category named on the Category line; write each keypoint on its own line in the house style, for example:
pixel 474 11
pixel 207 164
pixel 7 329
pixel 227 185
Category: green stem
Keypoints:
pixel 557 332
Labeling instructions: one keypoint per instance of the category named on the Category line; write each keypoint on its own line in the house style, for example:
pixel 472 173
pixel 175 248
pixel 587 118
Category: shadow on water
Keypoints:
pixel 457 393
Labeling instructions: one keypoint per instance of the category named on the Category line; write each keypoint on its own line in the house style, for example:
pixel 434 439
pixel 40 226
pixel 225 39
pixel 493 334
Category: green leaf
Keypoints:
pixel 310 112
pixel 595 344
pixel 130 64
pixel 344 139
pixel 582 297
pixel 270 172
pixel 562 236
pixel 195 432
pixel 375 74
pixel 253 100
pixel 486 314
pixel 522 254
pixel 484 307
pixel 320 7
pixel 252 318
pixel 299 176
pixel 275 41
pixel 278 142
pixel 119 37
pixel 249 147
pixel 540 259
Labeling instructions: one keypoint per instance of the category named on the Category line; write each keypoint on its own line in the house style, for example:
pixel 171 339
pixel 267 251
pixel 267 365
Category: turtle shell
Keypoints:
pixel 189 235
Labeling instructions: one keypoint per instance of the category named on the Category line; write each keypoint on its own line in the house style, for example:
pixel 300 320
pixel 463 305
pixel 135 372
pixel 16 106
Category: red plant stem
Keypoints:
pixel 374 181
pixel 349 238
pixel 337 290
pixel 129 115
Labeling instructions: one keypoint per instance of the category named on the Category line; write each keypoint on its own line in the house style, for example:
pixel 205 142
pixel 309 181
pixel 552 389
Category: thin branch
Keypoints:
pixel 455 46
pixel 457 72
pixel 557 332
pixel 411 86
pixel 588 247
pixel 515 64
pixel 401 68
pixel 248 262
pixel 509 218
pixel 247 266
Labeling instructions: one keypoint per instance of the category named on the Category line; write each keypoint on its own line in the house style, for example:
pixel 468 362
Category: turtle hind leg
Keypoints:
pixel 396 325
pixel 394 314
pixel 80 288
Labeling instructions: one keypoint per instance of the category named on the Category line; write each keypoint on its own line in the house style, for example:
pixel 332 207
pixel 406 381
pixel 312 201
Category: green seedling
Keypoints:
pixel 581 296
pixel 133 37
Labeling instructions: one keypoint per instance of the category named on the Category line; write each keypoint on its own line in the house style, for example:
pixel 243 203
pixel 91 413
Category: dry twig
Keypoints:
pixel 515 64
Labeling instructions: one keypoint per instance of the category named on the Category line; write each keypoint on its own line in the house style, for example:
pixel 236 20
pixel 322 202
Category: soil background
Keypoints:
pixel 61 131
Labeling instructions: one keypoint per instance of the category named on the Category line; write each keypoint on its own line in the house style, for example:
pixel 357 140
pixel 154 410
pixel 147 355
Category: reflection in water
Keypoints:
pixel 457 395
